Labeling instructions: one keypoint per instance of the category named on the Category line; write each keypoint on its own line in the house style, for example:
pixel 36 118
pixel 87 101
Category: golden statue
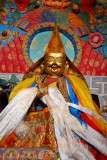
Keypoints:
pixel 67 119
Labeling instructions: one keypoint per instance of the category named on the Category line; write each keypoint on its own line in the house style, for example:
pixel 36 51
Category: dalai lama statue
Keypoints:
pixel 53 108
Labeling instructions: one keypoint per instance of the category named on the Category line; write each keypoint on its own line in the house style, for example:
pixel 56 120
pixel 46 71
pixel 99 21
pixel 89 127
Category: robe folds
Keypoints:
pixel 68 130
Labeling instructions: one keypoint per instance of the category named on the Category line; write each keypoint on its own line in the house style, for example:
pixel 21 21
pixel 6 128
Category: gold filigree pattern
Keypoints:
pixel 41 132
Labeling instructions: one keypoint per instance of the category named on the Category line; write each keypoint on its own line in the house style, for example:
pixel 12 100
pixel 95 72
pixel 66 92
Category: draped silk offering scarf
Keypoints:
pixel 15 111
pixel 67 127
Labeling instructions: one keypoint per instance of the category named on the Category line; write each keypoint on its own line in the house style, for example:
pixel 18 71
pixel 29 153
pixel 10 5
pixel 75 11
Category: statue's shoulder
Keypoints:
pixel 31 75
pixel 76 79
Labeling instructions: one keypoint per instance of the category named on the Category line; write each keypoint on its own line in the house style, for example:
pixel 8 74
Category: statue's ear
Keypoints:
pixel 66 66
pixel 42 66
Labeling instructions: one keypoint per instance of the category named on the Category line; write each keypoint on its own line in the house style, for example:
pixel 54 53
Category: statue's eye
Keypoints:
pixel 50 60
pixel 59 60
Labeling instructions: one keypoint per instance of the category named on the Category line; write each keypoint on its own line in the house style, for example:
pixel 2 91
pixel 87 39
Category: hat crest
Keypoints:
pixel 55 44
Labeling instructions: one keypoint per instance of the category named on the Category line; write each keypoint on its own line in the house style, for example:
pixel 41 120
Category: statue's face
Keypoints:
pixel 54 64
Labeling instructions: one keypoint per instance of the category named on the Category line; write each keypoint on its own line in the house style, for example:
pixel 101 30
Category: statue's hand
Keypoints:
pixel 39 82
pixel 42 92
pixel 46 91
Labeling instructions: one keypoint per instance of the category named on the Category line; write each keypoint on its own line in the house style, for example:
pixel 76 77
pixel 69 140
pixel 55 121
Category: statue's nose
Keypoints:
pixel 54 64
pixel 54 61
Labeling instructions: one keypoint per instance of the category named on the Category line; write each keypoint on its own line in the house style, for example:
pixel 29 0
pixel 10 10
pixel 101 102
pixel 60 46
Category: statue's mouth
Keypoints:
pixel 54 66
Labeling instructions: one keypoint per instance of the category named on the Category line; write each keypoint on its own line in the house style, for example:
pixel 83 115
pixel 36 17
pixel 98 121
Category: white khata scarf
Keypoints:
pixel 66 125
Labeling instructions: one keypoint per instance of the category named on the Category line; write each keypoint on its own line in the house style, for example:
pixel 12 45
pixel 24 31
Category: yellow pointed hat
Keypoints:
pixel 55 44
